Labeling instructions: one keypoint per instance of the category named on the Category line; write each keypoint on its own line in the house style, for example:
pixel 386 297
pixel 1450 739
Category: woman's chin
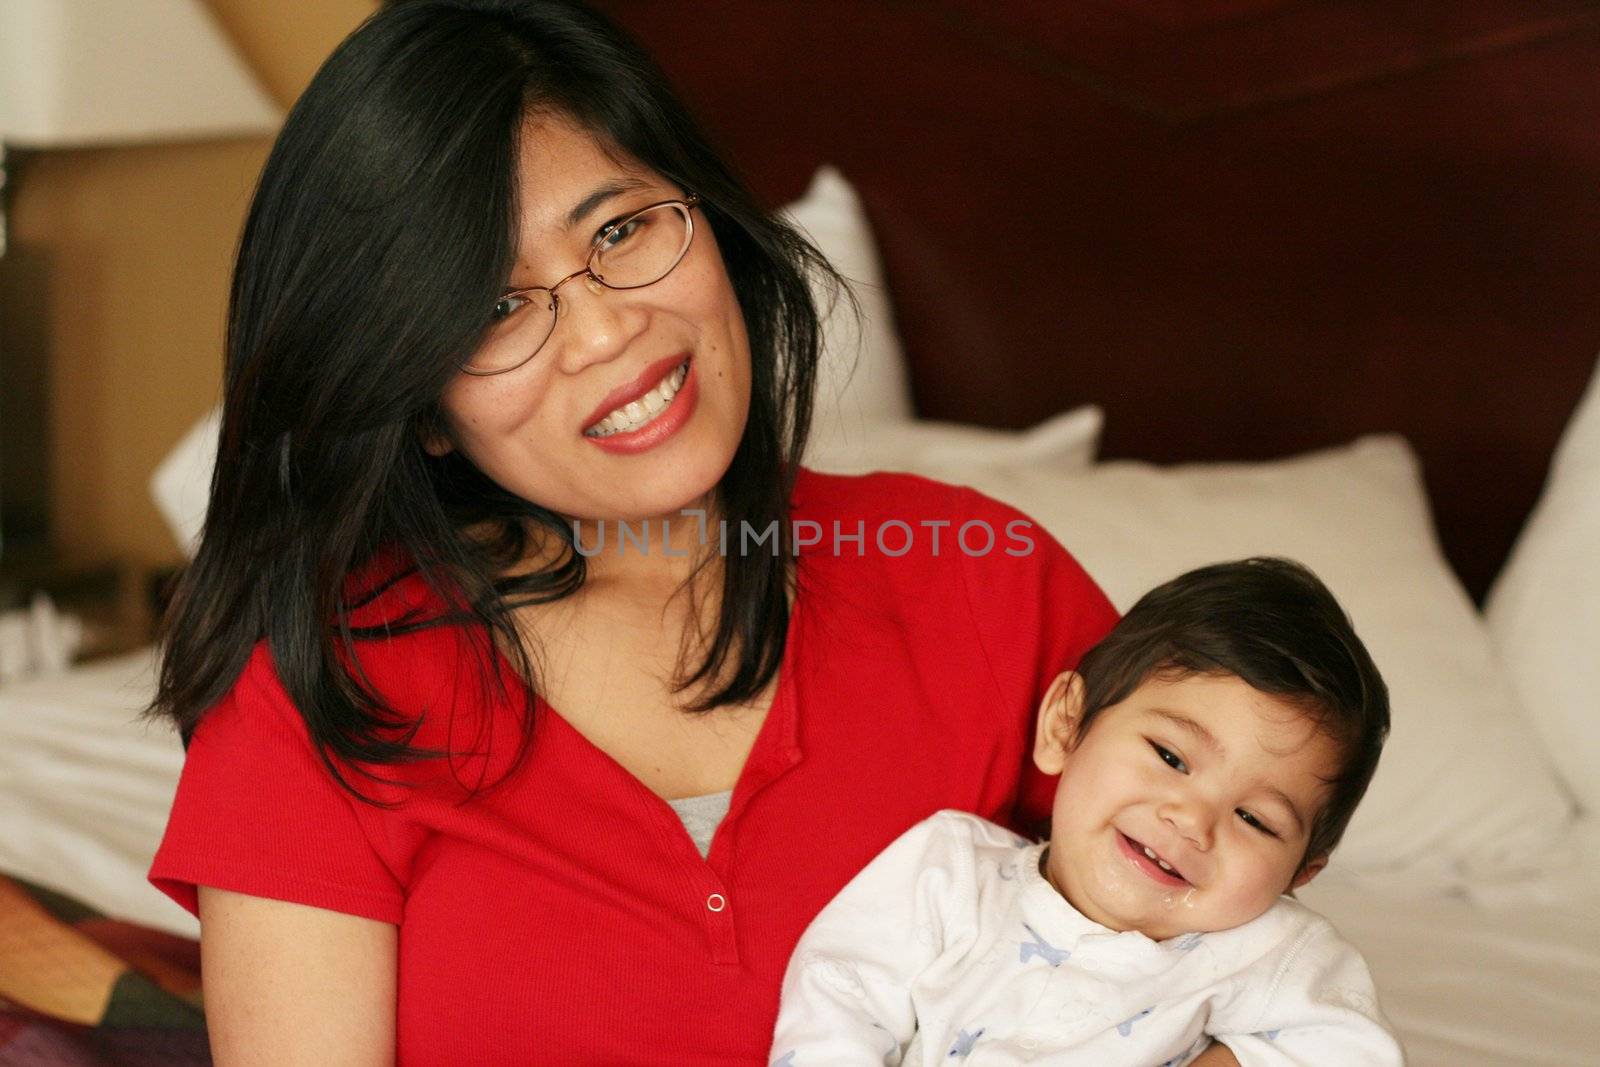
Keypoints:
pixel 687 482
pixel 669 497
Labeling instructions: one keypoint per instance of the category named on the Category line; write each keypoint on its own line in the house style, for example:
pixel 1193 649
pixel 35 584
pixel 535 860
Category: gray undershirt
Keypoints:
pixel 701 816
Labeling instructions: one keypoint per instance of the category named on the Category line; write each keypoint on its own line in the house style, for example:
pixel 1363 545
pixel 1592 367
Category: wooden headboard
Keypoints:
pixel 1243 227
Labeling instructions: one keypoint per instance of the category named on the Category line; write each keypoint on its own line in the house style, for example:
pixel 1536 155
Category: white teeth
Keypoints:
pixel 1163 864
pixel 635 414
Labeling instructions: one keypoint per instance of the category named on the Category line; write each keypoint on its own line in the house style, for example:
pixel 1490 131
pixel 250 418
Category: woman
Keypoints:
pixel 475 775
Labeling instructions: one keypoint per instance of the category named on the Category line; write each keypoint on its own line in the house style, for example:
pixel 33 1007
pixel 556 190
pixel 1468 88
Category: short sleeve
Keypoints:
pixel 1037 612
pixel 258 812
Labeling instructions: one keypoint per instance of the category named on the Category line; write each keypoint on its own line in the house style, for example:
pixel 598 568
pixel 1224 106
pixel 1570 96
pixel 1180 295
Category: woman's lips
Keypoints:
pixel 628 392
pixel 1135 851
pixel 666 422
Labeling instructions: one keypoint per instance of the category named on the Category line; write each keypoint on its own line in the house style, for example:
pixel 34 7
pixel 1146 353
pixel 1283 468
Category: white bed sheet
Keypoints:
pixel 1475 985
pixel 85 788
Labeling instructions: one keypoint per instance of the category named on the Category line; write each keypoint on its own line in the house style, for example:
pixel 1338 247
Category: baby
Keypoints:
pixel 1211 751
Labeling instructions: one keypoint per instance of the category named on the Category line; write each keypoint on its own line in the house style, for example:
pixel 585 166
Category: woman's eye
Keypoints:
pixel 507 306
pixel 1251 821
pixel 1170 758
pixel 617 235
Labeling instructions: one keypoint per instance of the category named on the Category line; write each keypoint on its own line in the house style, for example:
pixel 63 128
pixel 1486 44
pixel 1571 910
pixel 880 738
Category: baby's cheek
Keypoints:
pixel 1260 885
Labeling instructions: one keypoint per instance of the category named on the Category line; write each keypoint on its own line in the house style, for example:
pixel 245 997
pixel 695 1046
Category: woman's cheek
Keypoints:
pixel 501 404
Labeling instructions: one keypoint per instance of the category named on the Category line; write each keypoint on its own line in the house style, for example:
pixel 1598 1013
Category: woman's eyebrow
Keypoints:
pixel 600 195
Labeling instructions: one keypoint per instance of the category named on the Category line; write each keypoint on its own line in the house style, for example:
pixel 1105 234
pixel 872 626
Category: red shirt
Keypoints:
pixel 566 917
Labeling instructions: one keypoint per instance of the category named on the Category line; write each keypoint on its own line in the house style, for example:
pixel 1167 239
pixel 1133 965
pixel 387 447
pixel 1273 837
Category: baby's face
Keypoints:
pixel 1186 807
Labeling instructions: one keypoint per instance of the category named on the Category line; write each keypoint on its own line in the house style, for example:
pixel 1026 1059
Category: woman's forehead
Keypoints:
pixel 565 172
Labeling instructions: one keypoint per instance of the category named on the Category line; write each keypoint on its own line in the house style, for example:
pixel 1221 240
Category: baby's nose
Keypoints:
pixel 1191 818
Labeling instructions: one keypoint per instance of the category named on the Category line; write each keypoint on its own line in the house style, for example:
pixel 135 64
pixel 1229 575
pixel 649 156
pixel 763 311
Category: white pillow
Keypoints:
pixel 1463 791
pixel 1544 610
pixel 181 485
pixel 862 379
pixel 925 447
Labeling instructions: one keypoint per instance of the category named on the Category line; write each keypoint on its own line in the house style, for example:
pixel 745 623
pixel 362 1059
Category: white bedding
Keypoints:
pixel 1476 986
pixel 84 791
pixel 85 787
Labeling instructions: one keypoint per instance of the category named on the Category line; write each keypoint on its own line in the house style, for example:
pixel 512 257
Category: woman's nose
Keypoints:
pixel 593 324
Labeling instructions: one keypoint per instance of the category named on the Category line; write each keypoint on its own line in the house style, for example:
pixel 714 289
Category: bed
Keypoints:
pixel 1184 282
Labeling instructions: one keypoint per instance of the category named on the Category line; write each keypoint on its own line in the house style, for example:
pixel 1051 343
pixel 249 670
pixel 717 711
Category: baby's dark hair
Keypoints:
pixel 1273 624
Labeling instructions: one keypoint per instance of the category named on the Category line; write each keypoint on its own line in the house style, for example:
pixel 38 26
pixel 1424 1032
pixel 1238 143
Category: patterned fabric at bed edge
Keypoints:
pixel 78 989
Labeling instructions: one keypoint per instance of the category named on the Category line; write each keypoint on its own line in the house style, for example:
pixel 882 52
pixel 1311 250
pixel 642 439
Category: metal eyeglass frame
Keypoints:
pixel 688 203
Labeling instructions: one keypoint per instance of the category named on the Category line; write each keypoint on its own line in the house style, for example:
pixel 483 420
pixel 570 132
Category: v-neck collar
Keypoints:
pixel 775 751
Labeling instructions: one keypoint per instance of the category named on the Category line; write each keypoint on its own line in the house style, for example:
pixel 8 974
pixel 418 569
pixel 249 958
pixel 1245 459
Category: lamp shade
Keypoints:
pixel 86 72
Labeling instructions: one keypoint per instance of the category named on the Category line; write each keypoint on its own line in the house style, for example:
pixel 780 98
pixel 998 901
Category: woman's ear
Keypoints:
pixel 433 438
pixel 1056 733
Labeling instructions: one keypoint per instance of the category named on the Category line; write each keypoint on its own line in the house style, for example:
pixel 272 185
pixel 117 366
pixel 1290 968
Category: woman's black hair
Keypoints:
pixel 1273 624
pixel 385 213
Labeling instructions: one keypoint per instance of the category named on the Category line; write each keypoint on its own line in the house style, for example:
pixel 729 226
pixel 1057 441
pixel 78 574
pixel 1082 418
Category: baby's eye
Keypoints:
pixel 1251 821
pixel 1170 758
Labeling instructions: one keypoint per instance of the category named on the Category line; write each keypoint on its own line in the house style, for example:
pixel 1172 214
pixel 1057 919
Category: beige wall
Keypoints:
pixel 139 243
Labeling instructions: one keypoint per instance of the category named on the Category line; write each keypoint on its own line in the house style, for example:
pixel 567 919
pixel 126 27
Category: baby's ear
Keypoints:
pixel 1310 871
pixel 1055 734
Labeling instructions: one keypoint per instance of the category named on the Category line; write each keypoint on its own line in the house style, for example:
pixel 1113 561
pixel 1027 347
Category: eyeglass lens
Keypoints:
pixel 639 251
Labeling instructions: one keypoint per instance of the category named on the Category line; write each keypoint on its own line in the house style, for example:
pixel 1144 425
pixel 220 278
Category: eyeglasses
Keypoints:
pixel 638 251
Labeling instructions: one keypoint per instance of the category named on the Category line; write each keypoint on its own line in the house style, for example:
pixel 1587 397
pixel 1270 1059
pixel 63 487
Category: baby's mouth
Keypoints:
pixel 1153 862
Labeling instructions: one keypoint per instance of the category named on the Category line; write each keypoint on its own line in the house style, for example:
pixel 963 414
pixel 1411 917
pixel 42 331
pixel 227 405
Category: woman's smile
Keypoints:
pixel 648 410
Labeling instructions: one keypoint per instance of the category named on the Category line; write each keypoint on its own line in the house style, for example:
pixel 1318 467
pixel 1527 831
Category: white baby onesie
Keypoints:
pixel 951 947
